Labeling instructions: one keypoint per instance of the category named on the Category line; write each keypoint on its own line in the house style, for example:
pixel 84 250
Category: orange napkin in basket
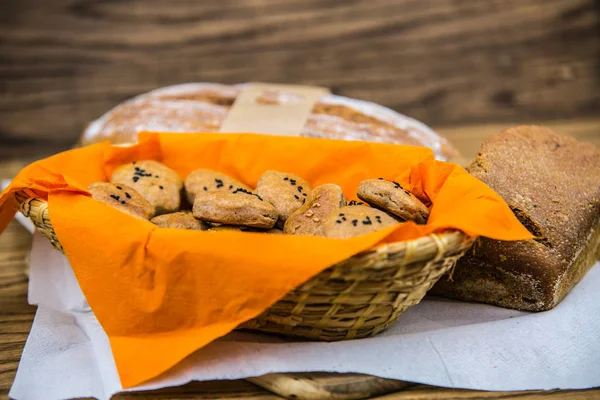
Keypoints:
pixel 160 294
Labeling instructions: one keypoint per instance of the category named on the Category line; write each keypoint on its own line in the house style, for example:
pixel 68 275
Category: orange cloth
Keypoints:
pixel 160 294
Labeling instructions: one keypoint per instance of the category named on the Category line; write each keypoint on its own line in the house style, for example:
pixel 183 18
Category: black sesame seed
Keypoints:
pixel 119 187
pixel 293 182
pixel 299 189
pixel 296 197
pixel 230 187
pixel 286 179
pixel 205 189
pixel 380 179
pixel 117 198
pixel 367 221
pixel 160 187
pixel 122 201
pixel 337 221
pixel 137 168
pixel 128 195
pixel 156 176
pixel 304 194
pixel 342 214
pixel 134 162
pixel 135 178
pixel 354 222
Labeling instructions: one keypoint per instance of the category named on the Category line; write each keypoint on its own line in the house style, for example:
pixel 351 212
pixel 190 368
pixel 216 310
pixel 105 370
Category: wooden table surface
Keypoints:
pixel 16 315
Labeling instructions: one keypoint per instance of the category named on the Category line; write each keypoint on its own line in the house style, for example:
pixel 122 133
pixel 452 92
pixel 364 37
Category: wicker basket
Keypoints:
pixel 355 298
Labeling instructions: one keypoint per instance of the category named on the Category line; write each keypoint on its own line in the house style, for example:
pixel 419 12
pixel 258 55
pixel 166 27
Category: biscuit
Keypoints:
pixel 240 207
pixel 392 197
pixel 123 198
pixel 320 202
pixel 286 192
pixel 179 220
pixel 157 183
pixel 354 221
pixel 244 229
pixel 207 180
pixel 220 228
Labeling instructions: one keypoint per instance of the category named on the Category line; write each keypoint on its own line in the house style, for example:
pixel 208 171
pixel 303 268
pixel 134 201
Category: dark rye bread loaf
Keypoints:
pixel 552 184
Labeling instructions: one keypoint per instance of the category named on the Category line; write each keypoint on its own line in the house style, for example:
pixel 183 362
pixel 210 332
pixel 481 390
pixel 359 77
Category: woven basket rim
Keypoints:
pixel 432 246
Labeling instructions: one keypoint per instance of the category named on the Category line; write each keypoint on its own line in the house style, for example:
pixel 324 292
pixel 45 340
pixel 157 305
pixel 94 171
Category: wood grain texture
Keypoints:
pixel 425 392
pixel 15 314
pixel 239 389
pixel 16 317
pixel 65 62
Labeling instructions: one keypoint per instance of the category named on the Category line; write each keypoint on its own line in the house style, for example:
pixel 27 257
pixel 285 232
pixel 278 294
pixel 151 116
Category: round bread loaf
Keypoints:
pixel 202 107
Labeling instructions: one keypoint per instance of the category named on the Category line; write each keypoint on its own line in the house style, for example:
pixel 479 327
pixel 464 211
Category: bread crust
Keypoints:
pixel 202 107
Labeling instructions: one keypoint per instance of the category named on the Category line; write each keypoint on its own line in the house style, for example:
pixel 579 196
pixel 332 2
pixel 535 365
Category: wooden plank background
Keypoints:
pixel 446 62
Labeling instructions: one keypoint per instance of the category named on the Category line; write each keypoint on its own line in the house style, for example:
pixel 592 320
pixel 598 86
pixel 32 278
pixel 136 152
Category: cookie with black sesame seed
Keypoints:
pixel 320 202
pixel 352 221
pixel 239 207
pixel 123 198
pixel 390 196
pixel 285 191
pixel 179 220
pixel 207 180
pixel 157 183
pixel 356 203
